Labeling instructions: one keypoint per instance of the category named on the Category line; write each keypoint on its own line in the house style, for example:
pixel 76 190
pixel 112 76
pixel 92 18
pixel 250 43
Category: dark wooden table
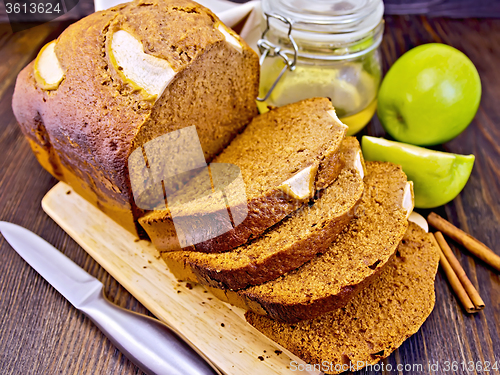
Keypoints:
pixel 41 333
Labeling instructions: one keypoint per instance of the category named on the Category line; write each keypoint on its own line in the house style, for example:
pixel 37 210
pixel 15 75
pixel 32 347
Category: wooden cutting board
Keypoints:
pixel 217 329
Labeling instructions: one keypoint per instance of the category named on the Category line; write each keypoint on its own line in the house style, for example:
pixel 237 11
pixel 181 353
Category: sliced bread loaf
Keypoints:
pixel 331 279
pixel 284 156
pixel 288 244
pixel 122 77
pixel 375 322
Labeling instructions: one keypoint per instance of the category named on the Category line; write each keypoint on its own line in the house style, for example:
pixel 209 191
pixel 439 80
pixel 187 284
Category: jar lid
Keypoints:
pixel 326 20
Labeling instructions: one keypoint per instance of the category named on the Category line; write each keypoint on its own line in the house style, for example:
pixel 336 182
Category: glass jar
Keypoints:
pixel 323 48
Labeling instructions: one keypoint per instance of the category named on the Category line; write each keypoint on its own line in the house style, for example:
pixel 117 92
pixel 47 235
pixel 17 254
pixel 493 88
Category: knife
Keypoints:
pixel 146 341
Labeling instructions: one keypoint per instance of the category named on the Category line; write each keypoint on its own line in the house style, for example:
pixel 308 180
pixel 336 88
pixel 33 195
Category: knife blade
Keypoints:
pixel 151 345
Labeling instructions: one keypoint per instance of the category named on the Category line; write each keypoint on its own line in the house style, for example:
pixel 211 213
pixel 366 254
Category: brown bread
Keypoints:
pixel 276 146
pixel 84 128
pixel 288 244
pixel 376 321
pixel 331 279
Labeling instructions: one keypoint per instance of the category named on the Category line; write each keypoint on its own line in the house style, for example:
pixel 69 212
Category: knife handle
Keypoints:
pixel 146 341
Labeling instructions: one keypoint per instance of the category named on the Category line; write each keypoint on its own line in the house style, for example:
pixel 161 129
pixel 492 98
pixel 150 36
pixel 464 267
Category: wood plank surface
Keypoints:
pixel 40 333
pixel 217 329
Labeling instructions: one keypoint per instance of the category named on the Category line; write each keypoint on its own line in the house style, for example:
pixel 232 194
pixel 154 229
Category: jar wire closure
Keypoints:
pixel 270 49
pixel 267 48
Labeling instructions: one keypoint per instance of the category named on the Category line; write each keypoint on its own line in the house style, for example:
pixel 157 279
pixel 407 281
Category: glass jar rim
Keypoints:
pixel 327 27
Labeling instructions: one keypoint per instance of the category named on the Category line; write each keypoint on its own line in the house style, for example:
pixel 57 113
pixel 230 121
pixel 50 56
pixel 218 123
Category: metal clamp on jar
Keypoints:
pixel 329 48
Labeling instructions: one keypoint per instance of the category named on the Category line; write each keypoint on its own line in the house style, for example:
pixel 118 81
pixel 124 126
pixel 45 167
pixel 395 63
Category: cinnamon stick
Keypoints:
pixel 455 283
pixel 459 271
pixel 476 247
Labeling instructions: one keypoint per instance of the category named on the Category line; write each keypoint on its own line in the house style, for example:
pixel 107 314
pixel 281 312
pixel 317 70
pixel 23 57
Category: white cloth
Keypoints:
pixel 230 13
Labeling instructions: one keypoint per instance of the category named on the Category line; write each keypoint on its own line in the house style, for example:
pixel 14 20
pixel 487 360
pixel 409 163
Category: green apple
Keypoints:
pixel 438 177
pixel 429 96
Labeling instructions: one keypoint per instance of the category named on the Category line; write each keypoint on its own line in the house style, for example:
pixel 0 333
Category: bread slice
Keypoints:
pixel 375 322
pixel 288 244
pixel 128 75
pixel 331 279
pixel 284 156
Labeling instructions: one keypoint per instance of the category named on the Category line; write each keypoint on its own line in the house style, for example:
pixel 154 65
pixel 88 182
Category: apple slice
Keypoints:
pixel 47 69
pixel 333 114
pixel 301 185
pixel 359 165
pixel 408 198
pixel 137 68
pixel 231 39
pixel 438 176
pixel 419 220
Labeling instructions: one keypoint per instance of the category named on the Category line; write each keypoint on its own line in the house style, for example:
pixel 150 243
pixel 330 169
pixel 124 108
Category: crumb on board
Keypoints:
pixel 260 357
pixel 189 286
pixel 278 352
pixel 136 240
pixel 68 192
pixel 222 325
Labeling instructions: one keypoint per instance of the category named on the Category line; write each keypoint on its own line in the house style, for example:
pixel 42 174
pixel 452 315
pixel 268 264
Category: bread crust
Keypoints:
pixel 270 206
pixel 269 257
pixel 332 278
pixel 376 321
pixel 87 128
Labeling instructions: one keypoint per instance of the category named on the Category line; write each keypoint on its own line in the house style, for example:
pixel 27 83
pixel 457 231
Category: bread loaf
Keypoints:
pixel 284 155
pixel 375 322
pixel 122 77
pixel 288 244
pixel 332 278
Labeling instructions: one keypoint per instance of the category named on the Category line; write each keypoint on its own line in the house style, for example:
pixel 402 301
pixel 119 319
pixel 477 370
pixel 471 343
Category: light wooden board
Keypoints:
pixel 194 314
